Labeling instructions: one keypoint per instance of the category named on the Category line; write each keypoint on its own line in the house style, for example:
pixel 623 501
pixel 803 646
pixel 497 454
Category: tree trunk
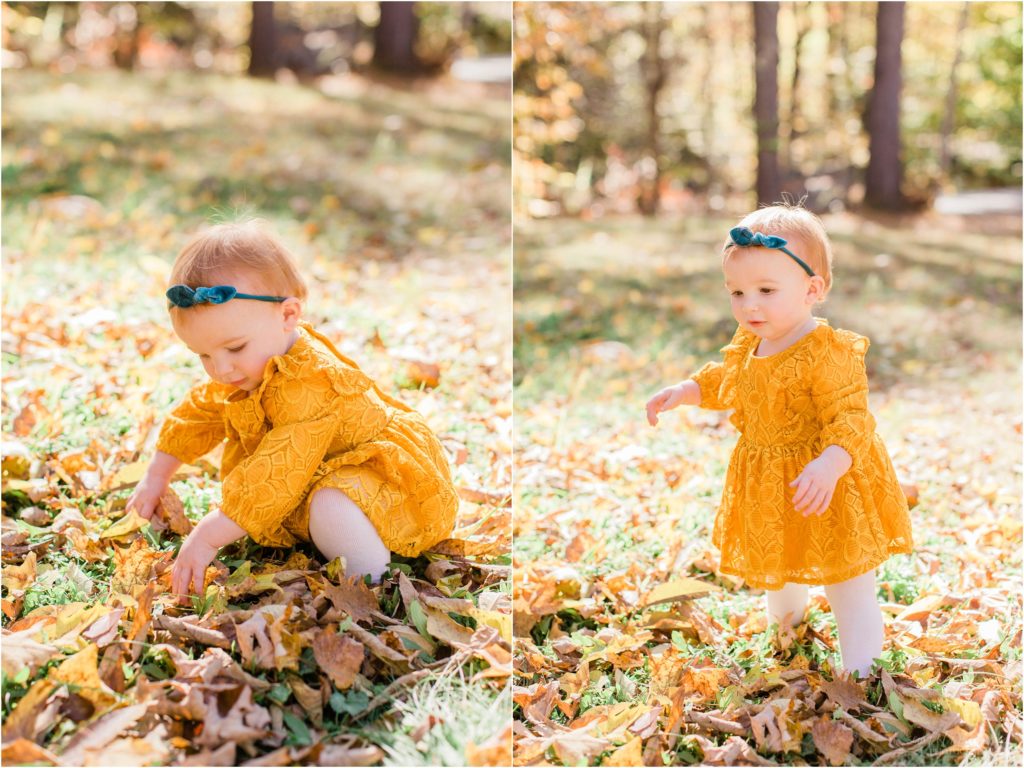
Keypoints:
pixel 654 79
pixel 948 120
pixel 394 39
pixel 262 40
pixel 766 100
pixel 885 173
pixel 801 17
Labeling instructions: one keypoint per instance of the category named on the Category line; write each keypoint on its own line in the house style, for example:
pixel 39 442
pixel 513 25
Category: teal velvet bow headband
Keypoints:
pixel 185 297
pixel 744 237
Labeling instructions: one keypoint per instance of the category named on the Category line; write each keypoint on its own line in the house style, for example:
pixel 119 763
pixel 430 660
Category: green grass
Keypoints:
pixel 438 720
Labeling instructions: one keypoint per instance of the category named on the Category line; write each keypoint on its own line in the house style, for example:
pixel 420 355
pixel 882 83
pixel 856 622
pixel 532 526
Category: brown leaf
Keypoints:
pixel 20 577
pixel 21 651
pixel 310 699
pixel 103 631
pixel 339 656
pixel 354 598
pixel 234 717
pixel 421 374
pixel 443 628
pixel 134 567
pixel 681 589
pixel 89 742
pixel 380 649
pixel 204 635
pixel 337 754
pixel 847 694
pixel 171 513
pixel 833 740
pixel 143 615
pixel 222 756
pixel 537 701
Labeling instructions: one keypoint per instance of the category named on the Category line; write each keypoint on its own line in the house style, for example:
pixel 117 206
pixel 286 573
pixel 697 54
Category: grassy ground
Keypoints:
pixel 396 202
pixel 607 509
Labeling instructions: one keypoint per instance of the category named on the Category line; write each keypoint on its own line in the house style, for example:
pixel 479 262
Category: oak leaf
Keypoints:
pixel 339 656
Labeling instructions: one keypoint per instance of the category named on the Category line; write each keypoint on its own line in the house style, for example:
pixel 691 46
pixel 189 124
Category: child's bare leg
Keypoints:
pixel 788 603
pixel 338 527
pixel 859 619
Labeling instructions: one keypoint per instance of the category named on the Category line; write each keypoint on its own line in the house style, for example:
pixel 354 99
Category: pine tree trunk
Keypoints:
pixel 262 40
pixel 394 39
pixel 654 79
pixel 766 100
pixel 885 172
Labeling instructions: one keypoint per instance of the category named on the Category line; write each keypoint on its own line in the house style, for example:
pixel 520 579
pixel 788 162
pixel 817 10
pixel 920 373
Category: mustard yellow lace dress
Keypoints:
pixel 789 407
pixel 317 421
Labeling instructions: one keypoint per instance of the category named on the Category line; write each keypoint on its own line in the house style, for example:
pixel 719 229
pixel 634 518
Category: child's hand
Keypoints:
pixel 665 400
pixel 815 486
pixel 146 497
pixel 153 485
pixel 190 568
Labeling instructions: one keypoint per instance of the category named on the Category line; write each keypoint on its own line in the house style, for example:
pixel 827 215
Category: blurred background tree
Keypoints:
pixel 586 75
pixel 261 38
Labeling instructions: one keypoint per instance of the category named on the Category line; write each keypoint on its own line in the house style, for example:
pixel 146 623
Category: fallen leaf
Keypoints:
pixel 833 740
pixel 21 651
pixel 126 525
pixel 339 656
pixel 681 589
pixel 81 671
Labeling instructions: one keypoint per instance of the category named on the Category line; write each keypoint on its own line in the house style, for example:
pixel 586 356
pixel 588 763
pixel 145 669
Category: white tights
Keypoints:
pixel 338 527
pixel 855 605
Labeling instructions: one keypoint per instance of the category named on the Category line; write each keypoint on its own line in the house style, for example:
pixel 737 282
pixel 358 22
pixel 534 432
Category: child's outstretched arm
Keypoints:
pixel 685 393
pixel 214 531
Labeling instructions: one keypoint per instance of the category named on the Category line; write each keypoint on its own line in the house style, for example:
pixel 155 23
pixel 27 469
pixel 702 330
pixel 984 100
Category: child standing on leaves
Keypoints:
pixel 315 451
pixel 811 496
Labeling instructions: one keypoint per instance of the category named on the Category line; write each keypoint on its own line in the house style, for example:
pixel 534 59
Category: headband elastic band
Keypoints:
pixel 185 297
pixel 744 237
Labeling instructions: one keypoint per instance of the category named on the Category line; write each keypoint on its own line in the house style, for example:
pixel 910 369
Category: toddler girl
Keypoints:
pixel 315 451
pixel 810 496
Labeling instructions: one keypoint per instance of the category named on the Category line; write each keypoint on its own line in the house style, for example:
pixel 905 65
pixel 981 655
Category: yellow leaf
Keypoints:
pixel 500 621
pixel 630 753
pixel 970 711
pixel 81 671
pixel 74 617
pixel 130 474
pixel 127 524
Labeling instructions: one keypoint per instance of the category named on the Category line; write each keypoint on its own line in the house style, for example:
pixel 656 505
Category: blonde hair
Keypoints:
pixel 803 230
pixel 218 254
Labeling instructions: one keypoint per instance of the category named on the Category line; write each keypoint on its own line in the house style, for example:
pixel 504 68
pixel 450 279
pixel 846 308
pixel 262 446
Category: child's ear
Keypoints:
pixel 816 290
pixel 291 313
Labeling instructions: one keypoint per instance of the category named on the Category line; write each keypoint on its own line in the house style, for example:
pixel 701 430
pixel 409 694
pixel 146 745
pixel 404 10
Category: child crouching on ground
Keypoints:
pixel 315 451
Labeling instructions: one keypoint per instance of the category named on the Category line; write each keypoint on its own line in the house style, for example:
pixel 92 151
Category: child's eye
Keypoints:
pixel 239 348
pixel 766 290
pixel 737 293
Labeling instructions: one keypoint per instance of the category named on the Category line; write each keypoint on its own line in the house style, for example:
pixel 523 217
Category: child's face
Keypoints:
pixel 771 295
pixel 235 340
